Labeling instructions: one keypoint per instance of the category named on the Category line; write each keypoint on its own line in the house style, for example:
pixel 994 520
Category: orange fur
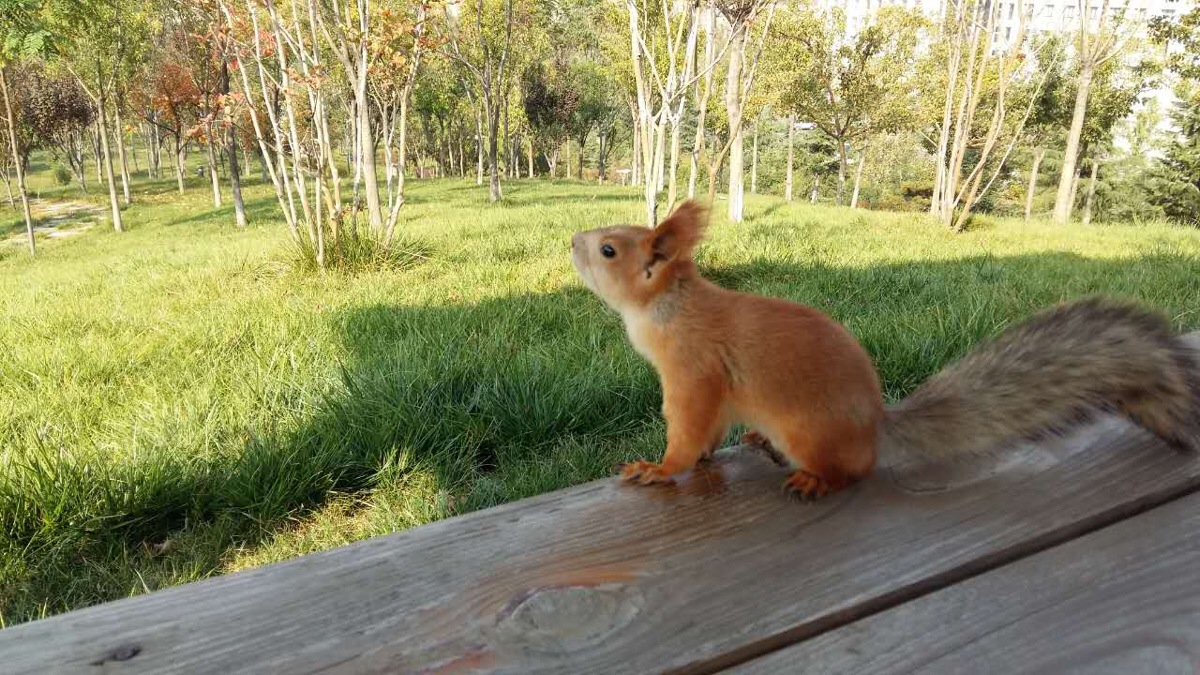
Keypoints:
pixel 724 357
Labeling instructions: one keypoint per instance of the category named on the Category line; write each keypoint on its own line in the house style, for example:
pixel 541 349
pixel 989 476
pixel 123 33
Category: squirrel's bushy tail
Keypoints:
pixel 1053 372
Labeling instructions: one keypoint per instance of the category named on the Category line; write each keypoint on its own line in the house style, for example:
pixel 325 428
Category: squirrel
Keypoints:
pixel 809 392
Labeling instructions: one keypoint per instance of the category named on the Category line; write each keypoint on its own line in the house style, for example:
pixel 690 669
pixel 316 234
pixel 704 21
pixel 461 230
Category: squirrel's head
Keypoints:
pixel 630 266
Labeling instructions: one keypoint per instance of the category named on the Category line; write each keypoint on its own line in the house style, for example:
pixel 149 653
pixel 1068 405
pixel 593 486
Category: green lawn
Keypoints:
pixel 180 401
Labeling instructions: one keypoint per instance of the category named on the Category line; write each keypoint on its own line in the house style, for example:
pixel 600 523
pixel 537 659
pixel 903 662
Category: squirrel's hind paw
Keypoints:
pixel 807 486
pixel 642 472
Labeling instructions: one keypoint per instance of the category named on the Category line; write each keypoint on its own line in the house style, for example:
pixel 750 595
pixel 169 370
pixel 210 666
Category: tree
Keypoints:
pixel 1099 40
pixel 399 42
pixel 596 109
pixel 851 87
pixel 348 32
pixel 1047 121
pixel 1175 181
pixel 24 35
pixel 662 42
pixel 260 39
pixel 478 38
pixel 96 38
pixel 550 101
pixel 978 76
pixel 175 100
pixel 58 113
pixel 743 17
pixel 1114 92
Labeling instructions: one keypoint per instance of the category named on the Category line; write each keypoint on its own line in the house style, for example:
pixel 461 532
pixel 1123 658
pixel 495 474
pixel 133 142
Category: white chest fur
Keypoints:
pixel 643 332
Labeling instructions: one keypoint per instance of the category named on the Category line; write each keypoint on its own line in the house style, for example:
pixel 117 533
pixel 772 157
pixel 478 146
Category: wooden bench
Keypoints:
pixel 1078 552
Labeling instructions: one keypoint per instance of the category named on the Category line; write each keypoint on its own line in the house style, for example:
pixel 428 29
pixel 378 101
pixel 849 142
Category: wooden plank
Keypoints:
pixel 715 570
pixel 1125 599
pixel 604 577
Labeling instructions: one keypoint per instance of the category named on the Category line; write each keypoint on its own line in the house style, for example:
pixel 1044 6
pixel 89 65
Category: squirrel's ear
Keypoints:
pixel 677 235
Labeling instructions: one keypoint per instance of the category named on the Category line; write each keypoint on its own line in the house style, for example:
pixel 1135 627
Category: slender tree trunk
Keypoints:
pixel 531 157
pixel 843 162
pixel 812 197
pixel 235 174
pixel 494 191
pixel 180 161
pixel 635 170
pixel 754 161
pixel 1090 198
pixel 1030 191
pixel 212 168
pixel 582 143
pixel 10 118
pixel 133 153
pixel 506 148
pixel 120 136
pixel 97 156
pixel 12 200
pixel 862 160
pixel 791 158
pixel 478 147
pixel 660 153
pixel 733 108
pixel 150 150
pixel 1074 192
pixel 1064 198
pixel 673 176
pixel 118 225
pixel 702 95
pixel 367 151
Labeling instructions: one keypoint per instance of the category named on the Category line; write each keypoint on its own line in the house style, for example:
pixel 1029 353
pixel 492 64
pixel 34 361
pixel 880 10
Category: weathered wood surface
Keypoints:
pixel 1123 600
pixel 610 578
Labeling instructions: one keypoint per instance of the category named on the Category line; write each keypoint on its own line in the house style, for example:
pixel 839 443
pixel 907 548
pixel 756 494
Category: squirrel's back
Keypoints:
pixel 1052 372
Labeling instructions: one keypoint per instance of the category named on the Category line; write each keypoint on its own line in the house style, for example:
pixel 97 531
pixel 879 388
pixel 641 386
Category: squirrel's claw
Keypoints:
pixel 644 473
pixel 806 485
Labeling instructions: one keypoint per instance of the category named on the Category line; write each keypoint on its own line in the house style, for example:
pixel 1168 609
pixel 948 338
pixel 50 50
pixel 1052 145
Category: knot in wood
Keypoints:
pixel 560 619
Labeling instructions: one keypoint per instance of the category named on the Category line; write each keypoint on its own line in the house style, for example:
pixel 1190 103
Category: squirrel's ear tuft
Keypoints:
pixel 679 233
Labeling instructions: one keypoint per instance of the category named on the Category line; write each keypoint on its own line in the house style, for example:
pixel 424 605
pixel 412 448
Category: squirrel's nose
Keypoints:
pixel 575 241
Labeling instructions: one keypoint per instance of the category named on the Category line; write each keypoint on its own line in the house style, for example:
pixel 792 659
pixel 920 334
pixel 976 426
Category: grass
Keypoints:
pixel 181 401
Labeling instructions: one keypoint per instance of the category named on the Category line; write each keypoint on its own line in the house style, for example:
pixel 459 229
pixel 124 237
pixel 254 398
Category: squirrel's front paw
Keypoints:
pixel 644 473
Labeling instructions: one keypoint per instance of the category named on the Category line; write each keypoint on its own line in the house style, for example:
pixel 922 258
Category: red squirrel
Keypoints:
pixel 810 393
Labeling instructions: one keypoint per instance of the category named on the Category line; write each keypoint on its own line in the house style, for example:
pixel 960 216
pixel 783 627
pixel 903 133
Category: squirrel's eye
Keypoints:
pixel 608 251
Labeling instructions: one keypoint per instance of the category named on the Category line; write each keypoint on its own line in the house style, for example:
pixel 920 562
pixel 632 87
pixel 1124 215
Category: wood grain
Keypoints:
pixel 716 570
pixel 1125 599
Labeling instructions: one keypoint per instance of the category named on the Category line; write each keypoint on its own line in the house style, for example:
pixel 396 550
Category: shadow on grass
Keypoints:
pixel 257 211
pixel 480 396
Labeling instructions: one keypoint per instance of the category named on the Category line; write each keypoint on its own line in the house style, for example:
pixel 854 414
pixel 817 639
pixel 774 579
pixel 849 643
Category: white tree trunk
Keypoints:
pixel 862 160
pixel 118 224
pixel 16 156
pixel 1090 199
pixel 212 170
pixel 478 147
pixel 120 136
pixel 754 161
pixel 1030 191
pixel 1064 198
pixel 733 109
pixel 791 158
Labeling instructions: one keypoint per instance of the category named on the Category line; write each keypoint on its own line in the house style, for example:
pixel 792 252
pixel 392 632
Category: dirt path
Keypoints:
pixel 58 219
